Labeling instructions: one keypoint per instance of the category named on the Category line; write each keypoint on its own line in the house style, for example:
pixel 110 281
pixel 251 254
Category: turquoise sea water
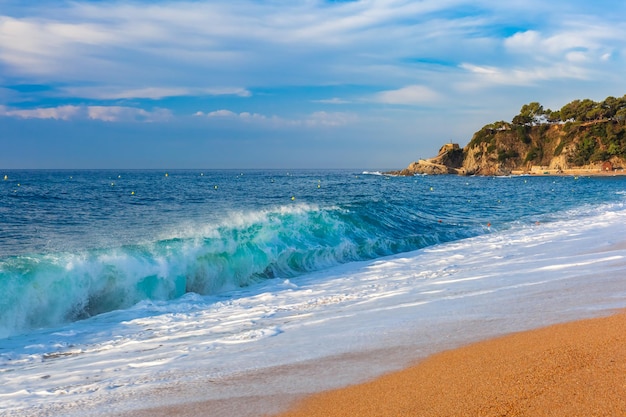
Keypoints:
pixel 75 244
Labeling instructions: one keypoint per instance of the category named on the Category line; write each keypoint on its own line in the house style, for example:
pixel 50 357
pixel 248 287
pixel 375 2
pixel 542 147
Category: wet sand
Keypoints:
pixel 572 369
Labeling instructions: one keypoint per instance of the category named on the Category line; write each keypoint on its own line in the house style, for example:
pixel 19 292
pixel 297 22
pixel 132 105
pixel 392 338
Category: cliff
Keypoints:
pixel 504 149
pixel 539 142
pixel 448 161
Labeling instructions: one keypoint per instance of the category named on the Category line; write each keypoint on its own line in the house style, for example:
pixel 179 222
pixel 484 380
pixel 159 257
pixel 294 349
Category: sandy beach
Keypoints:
pixel 572 369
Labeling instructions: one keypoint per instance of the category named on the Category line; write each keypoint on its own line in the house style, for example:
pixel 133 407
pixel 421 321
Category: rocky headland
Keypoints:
pixel 583 138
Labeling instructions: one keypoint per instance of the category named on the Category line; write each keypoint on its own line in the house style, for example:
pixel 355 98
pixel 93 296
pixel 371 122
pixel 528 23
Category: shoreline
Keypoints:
pixel 544 301
pixel 576 369
pixel 570 173
pixel 519 173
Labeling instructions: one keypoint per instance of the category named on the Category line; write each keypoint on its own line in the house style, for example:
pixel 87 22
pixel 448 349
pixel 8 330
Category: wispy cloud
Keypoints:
pixel 228 114
pixel 102 113
pixel 591 41
pixel 332 119
pixel 154 93
pixel 488 77
pixel 575 50
pixel 319 118
pixel 58 113
pixel 409 95
pixel 127 114
pixel 334 100
pixel 164 49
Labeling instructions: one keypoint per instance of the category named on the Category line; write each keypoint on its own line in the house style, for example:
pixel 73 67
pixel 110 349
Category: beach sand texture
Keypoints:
pixel 571 369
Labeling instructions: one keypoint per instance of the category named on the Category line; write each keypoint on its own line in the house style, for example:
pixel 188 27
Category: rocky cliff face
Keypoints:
pixel 502 148
pixel 448 161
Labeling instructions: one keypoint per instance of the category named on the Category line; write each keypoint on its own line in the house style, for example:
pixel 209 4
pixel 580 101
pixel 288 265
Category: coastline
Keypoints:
pixel 575 369
pixel 570 172
pixel 423 167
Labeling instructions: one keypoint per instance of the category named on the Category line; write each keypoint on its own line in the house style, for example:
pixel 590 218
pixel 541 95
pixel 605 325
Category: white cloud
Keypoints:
pixel 126 114
pixel 225 91
pixel 252 116
pixel 577 56
pixel 154 93
pixel 244 116
pixel 576 41
pixel 334 100
pixel 524 42
pixel 221 113
pixel 102 113
pixel 320 118
pixel 40 46
pixel 574 48
pixel 197 43
pixel 409 95
pixel 482 77
pixel 332 119
pixel 58 113
pixel 483 70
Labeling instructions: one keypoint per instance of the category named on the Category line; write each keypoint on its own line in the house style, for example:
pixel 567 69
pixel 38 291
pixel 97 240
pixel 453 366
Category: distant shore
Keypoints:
pixel 571 172
pixel 572 369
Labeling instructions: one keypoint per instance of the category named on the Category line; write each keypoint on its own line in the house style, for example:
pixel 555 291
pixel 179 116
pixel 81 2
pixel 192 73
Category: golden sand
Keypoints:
pixel 572 369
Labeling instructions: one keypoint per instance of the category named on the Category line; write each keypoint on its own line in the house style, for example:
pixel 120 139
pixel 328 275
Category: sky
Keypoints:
pixel 371 84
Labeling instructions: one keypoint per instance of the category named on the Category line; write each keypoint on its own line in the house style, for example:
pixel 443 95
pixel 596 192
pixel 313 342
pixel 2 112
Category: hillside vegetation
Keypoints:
pixel 582 135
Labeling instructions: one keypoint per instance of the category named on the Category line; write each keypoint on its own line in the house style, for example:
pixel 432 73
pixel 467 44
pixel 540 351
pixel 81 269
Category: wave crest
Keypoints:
pixel 46 290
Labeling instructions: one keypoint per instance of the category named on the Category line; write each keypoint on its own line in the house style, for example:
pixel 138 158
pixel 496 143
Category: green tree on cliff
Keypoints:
pixel 528 113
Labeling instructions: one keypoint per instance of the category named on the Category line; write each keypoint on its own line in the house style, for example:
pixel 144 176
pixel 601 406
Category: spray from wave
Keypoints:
pixel 48 289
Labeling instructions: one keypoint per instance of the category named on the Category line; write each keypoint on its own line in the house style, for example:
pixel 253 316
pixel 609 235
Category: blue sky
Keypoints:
pixel 287 84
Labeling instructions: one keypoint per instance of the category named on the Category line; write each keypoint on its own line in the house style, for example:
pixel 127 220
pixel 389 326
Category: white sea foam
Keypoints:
pixel 429 299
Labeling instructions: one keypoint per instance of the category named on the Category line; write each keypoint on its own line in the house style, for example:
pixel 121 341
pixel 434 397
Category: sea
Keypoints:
pixel 118 285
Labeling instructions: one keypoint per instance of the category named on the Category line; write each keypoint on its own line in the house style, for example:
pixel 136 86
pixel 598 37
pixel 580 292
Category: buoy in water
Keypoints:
pixel 215 187
pixel 6 177
pixel 293 198
pixel 132 193
pixel 167 175
pixel 488 224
